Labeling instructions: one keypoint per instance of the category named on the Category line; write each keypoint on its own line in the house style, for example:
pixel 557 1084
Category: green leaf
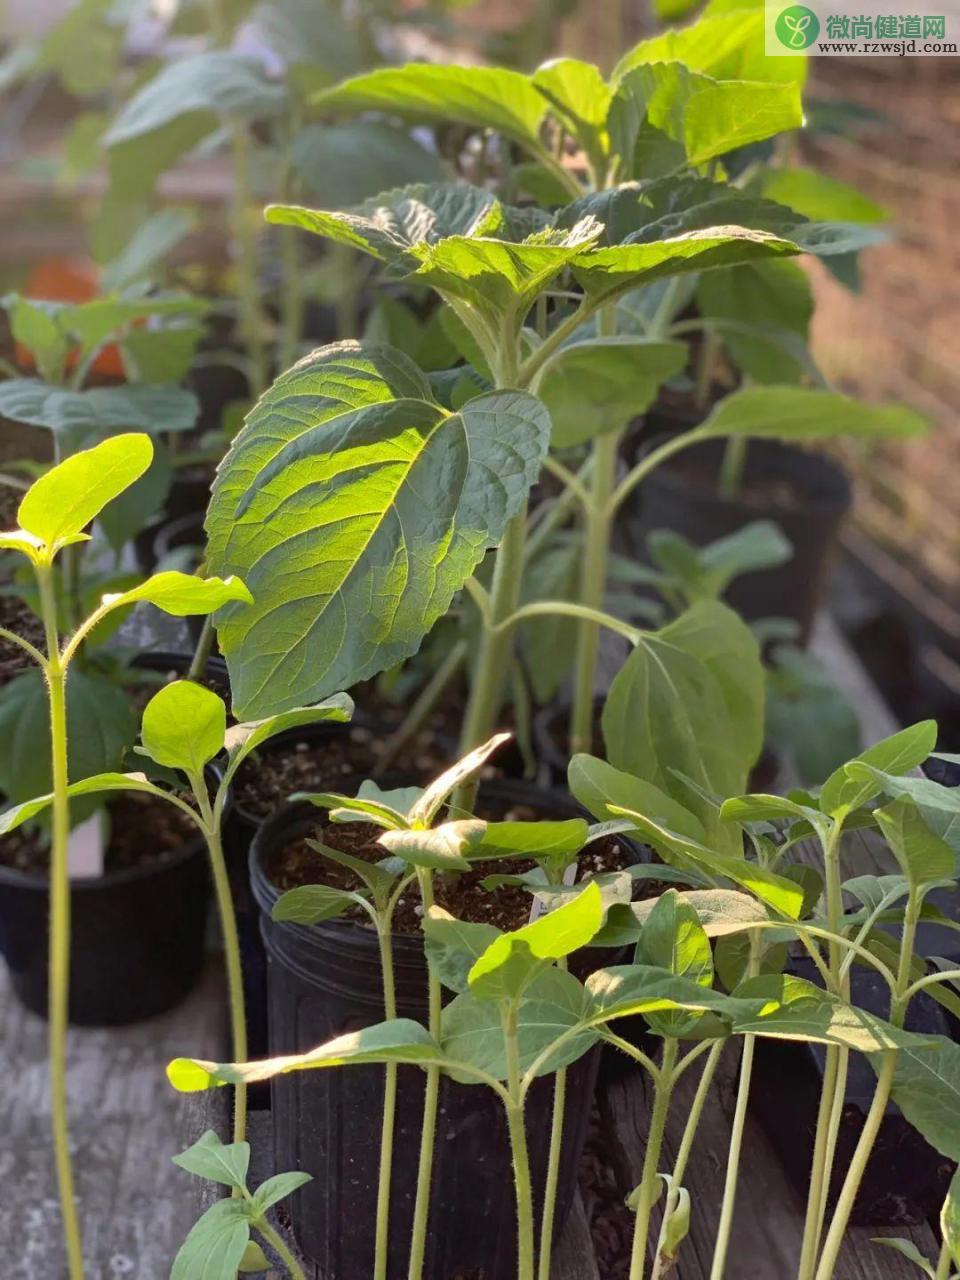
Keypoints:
pixel 388 225
pixel 63 501
pixel 179 106
pixel 598 786
pixel 472 1032
pixel 939 805
pixel 277 1188
pixel 689 700
pixel 728 45
pixel 217 1161
pixel 809 719
pixel 514 959
pixel 595 387
pixel 182 594
pixel 370 804
pixel 429 803
pixel 481 97
pixel 923 857
pixel 779 892
pixel 803 413
pixel 453 946
pixel 319 508
pixel 99 319
pixel 34 325
pixel 556 842
pixel 398 1041
pixel 908 1249
pixel 80 417
pixel 673 938
pixel 769 299
pixel 377 877
pixel 798 1010
pixel 709 117
pixel 100 728
pixel 242 739
pixel 184 726
pixel 926 1088
pixel 819 196
pixel 149 245
pixel 254 1259
pixel 897 754
pixel 950 1218
pixel 720 912
pixel 622 991
pixel 764 808
pixel 216 1244
pixel 441 848
pixel 580 98
pixel 349 163
pixel 313 903
pixel 17 814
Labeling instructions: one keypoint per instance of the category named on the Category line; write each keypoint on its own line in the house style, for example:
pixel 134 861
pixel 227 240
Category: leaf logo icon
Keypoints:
pixel 797 27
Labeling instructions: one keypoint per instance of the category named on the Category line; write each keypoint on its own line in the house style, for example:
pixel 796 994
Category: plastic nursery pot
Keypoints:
pixel 324 981
pixel 906 1179
pixel 239 831
pixel 137 935
pixel 806 494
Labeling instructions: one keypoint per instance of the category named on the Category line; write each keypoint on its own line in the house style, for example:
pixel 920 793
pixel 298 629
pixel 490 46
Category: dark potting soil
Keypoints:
pixel 142 683
pixel 15 615
pixel 460 893
pixel 265 781
pixel 144 831
pixel 763 491
pixel 610 1222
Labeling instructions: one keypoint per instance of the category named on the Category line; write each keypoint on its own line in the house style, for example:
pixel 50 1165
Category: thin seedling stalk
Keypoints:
pixel 211 816
pixel 553 1174
pixel 201 654
pixel 725 1226
pixel 381 1252
pixel 732 466
pixel 663 1090
pixel 518 1146
pixel 421 1209
pixel 55 672
pixel 279 1246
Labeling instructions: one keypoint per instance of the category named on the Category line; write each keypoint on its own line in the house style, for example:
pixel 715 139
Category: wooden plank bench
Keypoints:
pixel 126 1123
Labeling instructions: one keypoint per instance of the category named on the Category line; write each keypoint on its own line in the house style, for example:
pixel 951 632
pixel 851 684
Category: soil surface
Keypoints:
pixel 460 893
pixel 144 831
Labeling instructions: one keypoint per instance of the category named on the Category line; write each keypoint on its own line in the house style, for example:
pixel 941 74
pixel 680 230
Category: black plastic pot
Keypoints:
pixel 905 1179
pixel 668 500
pixel 326 980
pixel 137 937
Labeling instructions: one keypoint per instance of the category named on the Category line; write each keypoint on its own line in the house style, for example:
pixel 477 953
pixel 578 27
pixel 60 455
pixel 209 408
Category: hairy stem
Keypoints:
pixel 663 1089
pixel 280 1248
pixel 944 1263
pixel 421 1209
pixel 733 1161
pixel 731 468
pixel 201 654
pixel 58 994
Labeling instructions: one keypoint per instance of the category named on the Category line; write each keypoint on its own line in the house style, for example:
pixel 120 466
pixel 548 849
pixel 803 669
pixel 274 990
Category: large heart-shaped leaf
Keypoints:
pixel 728 45
pixel 926 1087
pixel 481 97
pixel 580 97
pixel 773 303
pixel 354 507
pixel 598 386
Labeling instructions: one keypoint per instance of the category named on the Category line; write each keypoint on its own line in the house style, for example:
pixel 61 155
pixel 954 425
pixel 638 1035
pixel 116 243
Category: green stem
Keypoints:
pixel 944 1263
pixel 733 1161
pixel 421 1209
pixel 389 1109
pixel 731 468
pixel 231 943
pixel 518 1145
pixel 553 1173
pixel 247 258
pixel 486 691
pixel 566 609
pixel 198 663
pixel 593 583
pixel 663 1088
pixel 686 1147
pixel 59 941
pixel 280 1248
pixel 706 364
pixel 650 463
pixel 291 300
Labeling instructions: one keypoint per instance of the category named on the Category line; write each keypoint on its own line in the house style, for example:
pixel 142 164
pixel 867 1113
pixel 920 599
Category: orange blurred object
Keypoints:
pixel 61 279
